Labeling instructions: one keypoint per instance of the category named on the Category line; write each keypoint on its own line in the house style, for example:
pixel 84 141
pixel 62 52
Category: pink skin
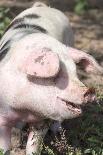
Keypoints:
pixel 29 94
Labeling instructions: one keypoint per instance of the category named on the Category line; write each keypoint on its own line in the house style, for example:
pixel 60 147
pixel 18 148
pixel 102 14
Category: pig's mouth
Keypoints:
pixel 76 109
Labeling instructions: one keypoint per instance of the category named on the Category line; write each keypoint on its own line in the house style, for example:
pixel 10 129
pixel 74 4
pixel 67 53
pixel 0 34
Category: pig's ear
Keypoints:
pixel 42 63
pixel 86 61
pixel 39 4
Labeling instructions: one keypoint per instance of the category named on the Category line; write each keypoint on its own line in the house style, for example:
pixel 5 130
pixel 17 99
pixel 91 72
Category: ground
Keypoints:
pixel 88 30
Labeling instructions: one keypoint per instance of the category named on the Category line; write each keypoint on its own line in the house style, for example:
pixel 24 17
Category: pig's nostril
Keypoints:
pixel 89 96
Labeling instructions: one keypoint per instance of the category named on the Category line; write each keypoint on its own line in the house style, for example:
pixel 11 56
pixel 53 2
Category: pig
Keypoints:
pixel 45 20
pixel 39 84
pixel 38 18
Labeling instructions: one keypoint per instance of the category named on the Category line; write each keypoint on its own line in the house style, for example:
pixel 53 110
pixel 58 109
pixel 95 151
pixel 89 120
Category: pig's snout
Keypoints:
pixel 89 95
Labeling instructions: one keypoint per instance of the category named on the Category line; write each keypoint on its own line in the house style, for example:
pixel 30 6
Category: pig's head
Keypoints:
pixel 51 76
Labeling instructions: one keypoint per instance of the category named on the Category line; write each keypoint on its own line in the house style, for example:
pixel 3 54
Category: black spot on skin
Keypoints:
pixel 15 22
pixel 21 23
pixel 21 20
pixel 31 16
pixel 29 26
pixel 5 46
pixel 4 49
pixel 3 53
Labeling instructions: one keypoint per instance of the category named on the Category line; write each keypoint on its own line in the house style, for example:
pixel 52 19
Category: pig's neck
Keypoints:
pixel 10 80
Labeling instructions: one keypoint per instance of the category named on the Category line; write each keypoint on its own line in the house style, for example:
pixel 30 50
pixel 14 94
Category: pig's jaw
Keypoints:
pixel 72 107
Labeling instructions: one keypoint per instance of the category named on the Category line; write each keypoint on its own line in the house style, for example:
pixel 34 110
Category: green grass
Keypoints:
pixel 1 152
pixel 81 6
pixel 84 135
pixel 4 20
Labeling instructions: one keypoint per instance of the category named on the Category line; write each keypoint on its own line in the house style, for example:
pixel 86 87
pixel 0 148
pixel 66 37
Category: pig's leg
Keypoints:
pixel 35 138
pixel 5 139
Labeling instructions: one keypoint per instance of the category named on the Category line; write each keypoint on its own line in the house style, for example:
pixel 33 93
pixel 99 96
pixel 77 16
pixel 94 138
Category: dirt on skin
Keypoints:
pixel 88 30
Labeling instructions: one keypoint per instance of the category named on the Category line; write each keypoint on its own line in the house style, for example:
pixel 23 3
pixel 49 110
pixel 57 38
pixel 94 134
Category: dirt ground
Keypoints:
pixel 88 30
